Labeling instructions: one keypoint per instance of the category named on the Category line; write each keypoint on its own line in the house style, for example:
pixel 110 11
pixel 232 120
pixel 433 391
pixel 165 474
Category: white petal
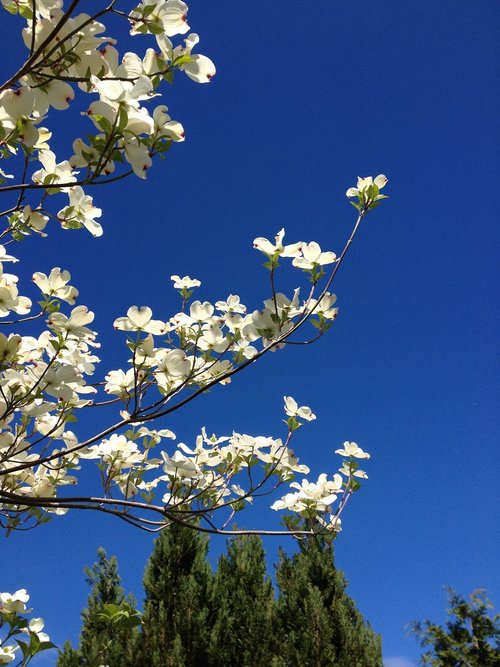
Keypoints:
pixel 139 316
pixel 364 182
pixel 380 181
pixel 201 69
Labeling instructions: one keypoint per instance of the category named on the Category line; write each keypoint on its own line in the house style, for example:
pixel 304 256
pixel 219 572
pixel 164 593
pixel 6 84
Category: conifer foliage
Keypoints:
pixel 242 604
pixel 101 642
pixel 471 637
pixel 176 624
pixel 233 617
pixel 319 624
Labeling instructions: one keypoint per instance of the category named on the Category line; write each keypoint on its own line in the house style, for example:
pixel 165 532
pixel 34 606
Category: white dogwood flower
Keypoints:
pixel 184 283
pixel 348 472
pixel 137 155
pixel 270 249
pixel 139 319
pixel 352 449
pixel 365 182
pixel 74 325
pixel 201 312
pixel 80 212
pixel 53 172
pixel 35 626
pixel 14 602
pixel 56 284
pixel 231 305
pixel 165 126
pixel 7 653
pixel 312 256
pixel 199 68
pixel 292 409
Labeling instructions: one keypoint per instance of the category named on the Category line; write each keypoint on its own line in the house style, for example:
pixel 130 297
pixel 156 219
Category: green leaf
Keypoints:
pixel 45 646
pixel 147 10
pixel 122 118
pixel 25 648
pixel 103 123
pixel 164 146
pixel 293 424
pixel 25 12
pixel 35 643
pixel 155 28
pixel 88 157
pixel 182 60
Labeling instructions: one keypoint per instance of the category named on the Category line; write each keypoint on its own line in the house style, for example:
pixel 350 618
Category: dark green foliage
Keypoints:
pixel 471 637
pixel 193 618
pixel 319 624
pixel 242 600
pixel 101 642
pixel 69 657
pixel 176 628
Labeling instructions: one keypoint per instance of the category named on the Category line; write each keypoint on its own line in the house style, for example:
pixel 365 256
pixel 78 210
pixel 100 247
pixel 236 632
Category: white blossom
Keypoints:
pixel 56 285
pixel 184 283
pixel 312 256
pixel 352 449
pixel 364 183
pixel 292 409
pixel 74 325
pixel 140 319
pixel 270 249
pixel 80 212
pixel 52 172
pixel 14 601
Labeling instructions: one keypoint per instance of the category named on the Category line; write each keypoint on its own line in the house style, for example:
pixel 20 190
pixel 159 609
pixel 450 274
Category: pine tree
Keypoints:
pixel 231 619
pixel 471 637
pixel 68 657
pixel 101 642
pixel 176 627
pixel 318 623
pixel 242 602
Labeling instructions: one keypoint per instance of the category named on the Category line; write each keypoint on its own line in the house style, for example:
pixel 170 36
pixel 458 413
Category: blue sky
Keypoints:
pixel 307 97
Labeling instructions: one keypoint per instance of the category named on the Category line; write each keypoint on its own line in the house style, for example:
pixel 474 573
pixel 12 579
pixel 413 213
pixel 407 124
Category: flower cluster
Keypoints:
pixel 28 634
pixel 44 382
pixel 313 500
pixel 367 192
pixel 46 376
pixel 207 341
pixel 70 54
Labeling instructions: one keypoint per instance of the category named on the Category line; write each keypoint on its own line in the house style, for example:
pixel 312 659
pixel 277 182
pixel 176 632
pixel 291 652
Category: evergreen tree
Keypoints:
pixel 68 657
pixel 101 642
pixel 318 623
pixel 176 622
pixel 231 619
pixel 242 603
pixel 471 637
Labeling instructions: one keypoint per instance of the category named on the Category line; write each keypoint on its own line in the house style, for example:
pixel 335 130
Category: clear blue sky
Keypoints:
pixel 307 96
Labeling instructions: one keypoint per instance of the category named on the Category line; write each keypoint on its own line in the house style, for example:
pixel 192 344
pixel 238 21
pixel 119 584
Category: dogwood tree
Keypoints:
pixel 50 377
pixel 51 381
